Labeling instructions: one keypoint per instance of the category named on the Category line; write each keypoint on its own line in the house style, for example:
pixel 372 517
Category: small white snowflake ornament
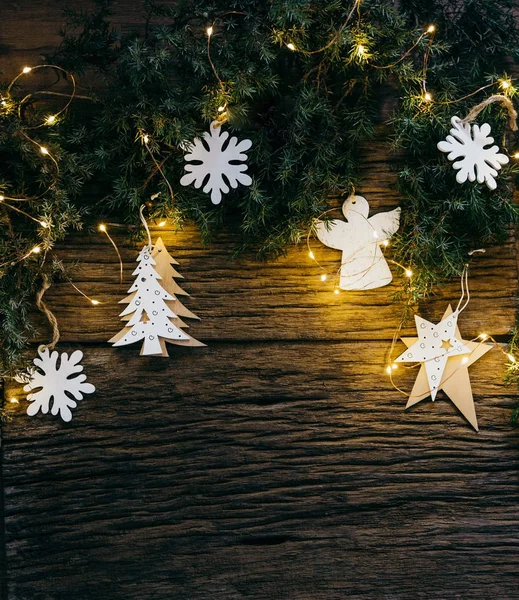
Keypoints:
pixel 59 385
pixel 363 265
pixel 470 143
pixel 215 163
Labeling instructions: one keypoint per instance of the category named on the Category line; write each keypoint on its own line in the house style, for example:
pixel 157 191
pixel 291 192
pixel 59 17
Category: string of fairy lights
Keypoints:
pixel 359 50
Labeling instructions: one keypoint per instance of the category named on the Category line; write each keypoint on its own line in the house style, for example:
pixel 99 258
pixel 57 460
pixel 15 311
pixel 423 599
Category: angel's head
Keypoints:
pixel 355 208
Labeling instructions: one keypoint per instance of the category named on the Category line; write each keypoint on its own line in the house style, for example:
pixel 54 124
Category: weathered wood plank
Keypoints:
pixel 285 299
pixel 281 470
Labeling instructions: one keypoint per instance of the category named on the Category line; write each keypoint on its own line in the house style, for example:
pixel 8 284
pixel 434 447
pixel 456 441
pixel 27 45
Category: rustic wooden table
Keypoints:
pixel 275 464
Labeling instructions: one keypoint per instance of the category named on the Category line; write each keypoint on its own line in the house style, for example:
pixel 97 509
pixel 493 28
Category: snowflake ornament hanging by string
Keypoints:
pixel 217 163
pixel 57 384
pixel 477 160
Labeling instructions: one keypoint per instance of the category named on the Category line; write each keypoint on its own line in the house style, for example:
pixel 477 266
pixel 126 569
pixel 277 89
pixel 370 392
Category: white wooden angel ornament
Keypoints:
pixel 363 265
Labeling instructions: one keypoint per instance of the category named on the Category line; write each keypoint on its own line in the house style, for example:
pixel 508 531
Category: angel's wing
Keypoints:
pixel 333 233
pixel 386 224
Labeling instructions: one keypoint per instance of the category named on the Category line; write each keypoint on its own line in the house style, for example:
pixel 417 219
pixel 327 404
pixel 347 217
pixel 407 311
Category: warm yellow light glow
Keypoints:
pixel 209 31
pixel 388 370
pixel 221 108
pixel 408 273
pixel 50 119
pixel 361 50
pixel 510 358
pixel 4 103
pixel 336 291
pixel 44 224
pixel 36 250
pixel 14 400
pixel 2 198
pixel 516 154
pixel 43 150
pixel 394 367
pixel 95 302
pixel 146 139
pixel 311 255
pixel 431 29
pixel 26 70
pixel 427 97
pixel 464 360
pixel 483 336
pixel 162 223
pixel 504 84
pixel 324 277
pixel 386 243
pixel 102 228
pixel 291 46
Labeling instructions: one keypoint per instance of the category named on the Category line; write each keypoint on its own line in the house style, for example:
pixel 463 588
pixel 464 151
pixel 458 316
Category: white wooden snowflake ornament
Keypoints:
pixel 477 160
pixel 215 163
pixel 435 345
pixel 363 265
pixel 59 385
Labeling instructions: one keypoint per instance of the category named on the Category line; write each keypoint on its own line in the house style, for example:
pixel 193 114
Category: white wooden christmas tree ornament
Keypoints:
pixel 363 265
pixel 54 386
pixel 153 311
pixel 470 144
pixel 217 163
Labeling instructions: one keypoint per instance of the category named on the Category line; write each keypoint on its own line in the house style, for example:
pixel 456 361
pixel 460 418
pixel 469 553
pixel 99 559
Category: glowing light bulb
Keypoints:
pixel 50 119
pixel 431 29
pixel 2 198
pixel 311 255
pixel 394 367
pixel 43 150
pixel 26 70
pixel 102 227
pixel 14 401
pixel 427 97
pixel 388 370
pixel 162 223
pixel 516 154
pixel 361 50
pixel 464 360
pixel 324 277
pixel 336 291
pixel 221 109
pixel 385 243
pixel 510 358
pixel 483 336
pixel 44 224
pixel 4 103
pixel 36 250
pixel 291 46
pixel 408 273
pixel 209 31
pixel 146 139
pixel 504 84
pixel 94 302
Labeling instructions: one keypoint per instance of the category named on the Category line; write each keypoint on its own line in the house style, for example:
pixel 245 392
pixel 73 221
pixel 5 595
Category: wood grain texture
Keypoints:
pixel 275 464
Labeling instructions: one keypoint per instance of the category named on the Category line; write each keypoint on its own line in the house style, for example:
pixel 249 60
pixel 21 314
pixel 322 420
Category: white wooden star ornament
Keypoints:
pixel 445 359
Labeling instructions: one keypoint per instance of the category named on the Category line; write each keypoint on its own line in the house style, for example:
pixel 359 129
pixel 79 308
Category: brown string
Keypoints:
pixel 44 309
pixel 504 100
